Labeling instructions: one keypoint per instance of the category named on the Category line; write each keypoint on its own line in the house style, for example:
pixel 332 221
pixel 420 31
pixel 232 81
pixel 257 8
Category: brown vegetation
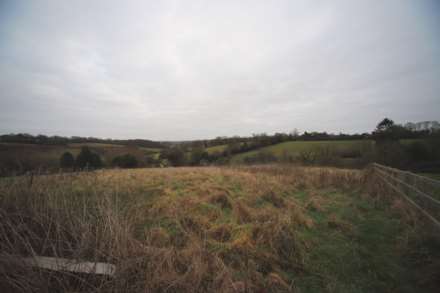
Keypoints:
pixel 166 230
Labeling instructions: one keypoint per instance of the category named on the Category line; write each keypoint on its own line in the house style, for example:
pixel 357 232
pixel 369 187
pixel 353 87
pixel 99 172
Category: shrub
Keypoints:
pixel 150 161
pixel 88 159
pixel 199 157
pixel 67 160
pixel 175 156
pixel 350 153
pixel 307 156
pixel 390 153
pixel 125 161
pixel 261 157
pixel 418 151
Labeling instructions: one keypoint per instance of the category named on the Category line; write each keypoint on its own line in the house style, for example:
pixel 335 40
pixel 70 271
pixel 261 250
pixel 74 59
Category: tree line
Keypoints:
pixel 388 150
pixel 264 139
pixel 62 140
pixel 421 151
pixel 246 142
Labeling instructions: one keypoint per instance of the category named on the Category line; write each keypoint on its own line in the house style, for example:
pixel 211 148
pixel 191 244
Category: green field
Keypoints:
pixel 254 229
pixel 216 149
pixel 48 156
pixel 93 145
pixel 293 148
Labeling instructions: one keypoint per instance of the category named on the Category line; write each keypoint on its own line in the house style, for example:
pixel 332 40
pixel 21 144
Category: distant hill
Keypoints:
pixel 61 140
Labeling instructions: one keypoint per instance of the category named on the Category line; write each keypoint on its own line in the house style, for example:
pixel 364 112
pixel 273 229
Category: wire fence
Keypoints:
pixel 421 192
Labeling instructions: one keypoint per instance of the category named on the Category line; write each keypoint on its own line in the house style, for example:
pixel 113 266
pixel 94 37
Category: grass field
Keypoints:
pixel 216 149
pixel 293 148
pixel 48 156
pixel 93 145
pixel 247 229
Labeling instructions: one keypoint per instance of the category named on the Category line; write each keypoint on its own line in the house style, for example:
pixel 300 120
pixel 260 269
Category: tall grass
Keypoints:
pixel 61 216
pixel 166 230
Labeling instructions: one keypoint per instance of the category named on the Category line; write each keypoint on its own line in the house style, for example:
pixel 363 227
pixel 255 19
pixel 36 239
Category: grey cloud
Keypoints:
pixel 198 69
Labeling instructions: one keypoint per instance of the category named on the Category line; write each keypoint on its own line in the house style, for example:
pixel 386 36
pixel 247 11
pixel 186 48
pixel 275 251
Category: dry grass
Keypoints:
pixel 166 230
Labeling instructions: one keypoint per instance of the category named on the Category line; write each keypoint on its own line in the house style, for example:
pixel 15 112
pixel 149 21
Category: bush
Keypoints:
pixel 67 161
pixel 307 156
pixel 199 157
pixel 390 153
pixel 175 156
pixel 261 157
pixel 150 161
pixel 418 151
pixel 350 153
pixel 125 161
pixel 88 159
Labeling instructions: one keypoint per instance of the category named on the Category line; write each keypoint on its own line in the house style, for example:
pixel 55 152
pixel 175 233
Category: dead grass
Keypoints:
pixel 221 199
pixel 166 230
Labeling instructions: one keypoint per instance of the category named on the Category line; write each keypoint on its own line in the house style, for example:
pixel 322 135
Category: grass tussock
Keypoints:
pixel 247 229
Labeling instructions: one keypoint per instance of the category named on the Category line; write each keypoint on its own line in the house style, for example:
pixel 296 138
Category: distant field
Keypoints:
pixel 295 147
pixel 268 229
pixel 216 149
pixel 151 150
pixel 49 155
pixel 407 141
pixel 94 145
pixel 107 145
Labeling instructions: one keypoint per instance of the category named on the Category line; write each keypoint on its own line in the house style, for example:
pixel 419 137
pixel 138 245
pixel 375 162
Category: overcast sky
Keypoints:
pixel 175 70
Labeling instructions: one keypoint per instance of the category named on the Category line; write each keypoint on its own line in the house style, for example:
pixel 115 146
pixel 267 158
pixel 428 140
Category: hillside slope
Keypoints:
pixel 15 156
pixel 294 148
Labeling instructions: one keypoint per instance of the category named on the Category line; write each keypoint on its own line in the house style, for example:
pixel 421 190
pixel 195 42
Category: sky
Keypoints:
pixel 181 70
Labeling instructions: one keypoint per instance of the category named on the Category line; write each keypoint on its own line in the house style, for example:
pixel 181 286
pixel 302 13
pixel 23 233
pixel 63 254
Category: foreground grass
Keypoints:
pixel 259 229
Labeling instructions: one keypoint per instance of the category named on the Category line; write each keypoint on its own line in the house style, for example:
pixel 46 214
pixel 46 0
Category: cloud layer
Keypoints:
pixel 174 70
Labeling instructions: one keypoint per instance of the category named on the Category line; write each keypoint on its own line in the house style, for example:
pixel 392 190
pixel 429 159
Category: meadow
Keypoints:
pixel 293 149
pixel 216 149
pixel 270 228
pixel 47 157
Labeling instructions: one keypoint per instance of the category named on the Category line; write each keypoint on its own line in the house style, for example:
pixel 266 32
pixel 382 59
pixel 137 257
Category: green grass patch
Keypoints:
pixel 293 148
pixel 354 248
pixel 216 149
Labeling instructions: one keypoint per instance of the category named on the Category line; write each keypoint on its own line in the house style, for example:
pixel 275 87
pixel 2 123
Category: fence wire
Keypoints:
pixel 421 192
